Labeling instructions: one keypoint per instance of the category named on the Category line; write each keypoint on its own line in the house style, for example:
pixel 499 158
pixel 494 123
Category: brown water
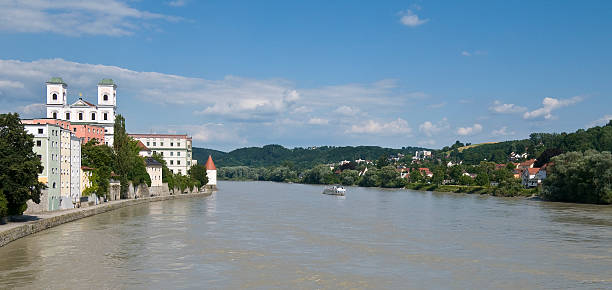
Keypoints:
pixel 269 235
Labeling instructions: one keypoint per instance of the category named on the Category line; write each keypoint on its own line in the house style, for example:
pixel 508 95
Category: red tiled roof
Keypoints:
pixel 533 171
pixel 528 162
pixel 210 165
pixel 142 146
pixel 182 136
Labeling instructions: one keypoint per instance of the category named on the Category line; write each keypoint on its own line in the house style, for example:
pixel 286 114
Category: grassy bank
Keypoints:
pixel 495 191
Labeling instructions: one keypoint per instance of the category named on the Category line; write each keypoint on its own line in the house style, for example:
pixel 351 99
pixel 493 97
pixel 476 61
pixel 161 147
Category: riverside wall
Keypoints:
pixel 12 233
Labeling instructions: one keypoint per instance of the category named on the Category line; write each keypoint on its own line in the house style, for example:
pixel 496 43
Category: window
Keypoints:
pixel 105 116
pixel 54 185
pixel 162 153
pixel 161 143
pixel 171 144
pixel 54 115
pixel 67 116
pixel 40 131
pixel 178 162
pixel 154 144
pixel 180 171
pixel 38 143
pixel 171 153
pixel 74 129
pixel 93 116
pixel 171 162
pixel 55 97
pixel 80 116
pixel 148 144
pixel 39 157
pixel 106 97
pixel 178 153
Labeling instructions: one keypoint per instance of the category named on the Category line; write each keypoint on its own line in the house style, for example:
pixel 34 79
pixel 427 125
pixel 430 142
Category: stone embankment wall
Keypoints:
pixel 29 228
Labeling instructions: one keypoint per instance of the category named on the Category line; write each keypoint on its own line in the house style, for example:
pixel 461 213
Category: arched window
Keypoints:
pixel 105 97
pixel 93 116
pixel 54 96
pixel 54 115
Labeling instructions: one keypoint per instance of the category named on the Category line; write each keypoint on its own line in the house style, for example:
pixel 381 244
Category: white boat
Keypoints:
pixel 335 190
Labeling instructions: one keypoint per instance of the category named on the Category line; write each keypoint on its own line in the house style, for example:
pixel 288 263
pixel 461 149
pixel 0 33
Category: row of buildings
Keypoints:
pixel 59 136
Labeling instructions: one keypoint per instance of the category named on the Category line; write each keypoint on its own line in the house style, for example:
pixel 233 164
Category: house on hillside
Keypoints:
pixel 527 164
pixel 532 177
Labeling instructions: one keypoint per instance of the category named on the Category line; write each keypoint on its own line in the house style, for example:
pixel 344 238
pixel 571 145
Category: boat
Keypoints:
pixel 335 190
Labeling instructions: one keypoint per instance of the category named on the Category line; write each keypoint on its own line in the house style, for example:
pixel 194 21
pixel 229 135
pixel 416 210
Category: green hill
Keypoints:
pixel 272 155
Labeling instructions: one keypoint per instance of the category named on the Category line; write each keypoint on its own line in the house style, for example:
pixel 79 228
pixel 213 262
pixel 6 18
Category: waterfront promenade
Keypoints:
pixel 36 222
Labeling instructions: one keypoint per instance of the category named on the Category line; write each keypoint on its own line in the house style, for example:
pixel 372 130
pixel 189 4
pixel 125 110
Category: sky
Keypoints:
pixel 308 73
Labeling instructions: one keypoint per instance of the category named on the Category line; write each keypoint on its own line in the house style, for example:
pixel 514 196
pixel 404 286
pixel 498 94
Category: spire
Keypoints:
pixel 210 165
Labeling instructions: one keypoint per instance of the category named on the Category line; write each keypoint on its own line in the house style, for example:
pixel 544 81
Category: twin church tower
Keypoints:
pixel 81 111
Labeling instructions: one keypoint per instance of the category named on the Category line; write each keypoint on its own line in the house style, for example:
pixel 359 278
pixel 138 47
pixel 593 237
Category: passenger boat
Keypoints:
pixel 335 190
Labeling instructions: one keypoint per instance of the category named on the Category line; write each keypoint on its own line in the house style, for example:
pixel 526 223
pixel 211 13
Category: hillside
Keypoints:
pixel 271 155
pixel 598 138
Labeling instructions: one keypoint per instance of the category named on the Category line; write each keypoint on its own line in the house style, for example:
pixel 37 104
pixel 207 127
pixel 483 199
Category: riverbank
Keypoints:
pixel 30 224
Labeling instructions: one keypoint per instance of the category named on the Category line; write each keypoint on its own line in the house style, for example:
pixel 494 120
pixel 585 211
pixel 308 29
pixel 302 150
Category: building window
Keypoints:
pixel 54 185
pixel 80 116
pixel 40 131
pixel 148 144
pixel 54 115
pixel 178 153
pixel 154 144
pixel 39 157
pixel 105 116
pixel 161 143
pixel 171 162
pixel 67 116
pixel 171 153
pixel 38 143
pixel 106 97
pixel 93 116
pixel 180 171
pixel 171 144
pixel 178 162
pixel 55 97
pixel 74 129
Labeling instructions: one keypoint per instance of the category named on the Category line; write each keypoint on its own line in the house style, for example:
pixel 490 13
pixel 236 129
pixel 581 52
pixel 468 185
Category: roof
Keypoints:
pixel 107 82
pixel 533 171
pixel 181 136
pixel 84 102
pixel 210 165
pixel 142 146
pixel 528 162
pixel 152 162
pixel 56 80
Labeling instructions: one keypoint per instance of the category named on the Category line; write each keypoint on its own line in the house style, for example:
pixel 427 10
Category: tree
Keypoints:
pixel 349 177
pixel 123 154
pixel 416 176
pixel 3 205
pixel 19 166
pixel 382 162
pixel 198 172
pixel 482 179
pixel 438 175
pixel 100 158
pixel 465 180
pixel 546 156
pixel 389 177
pixel 370 178
pixel 580 177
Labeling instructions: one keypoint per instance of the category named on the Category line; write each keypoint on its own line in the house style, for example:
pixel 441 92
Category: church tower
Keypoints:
pixel 211 173
pixel 107 93
pixel 56 97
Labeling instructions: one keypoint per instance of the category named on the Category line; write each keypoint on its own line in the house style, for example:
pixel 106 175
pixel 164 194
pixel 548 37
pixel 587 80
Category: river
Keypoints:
pixel 274 235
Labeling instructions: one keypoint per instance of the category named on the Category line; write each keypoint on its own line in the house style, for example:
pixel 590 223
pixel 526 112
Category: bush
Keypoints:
pixel 3 205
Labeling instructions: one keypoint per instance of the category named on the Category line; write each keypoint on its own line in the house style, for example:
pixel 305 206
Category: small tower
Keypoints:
pixel 107 93
pixel 56 96
pixel 211 173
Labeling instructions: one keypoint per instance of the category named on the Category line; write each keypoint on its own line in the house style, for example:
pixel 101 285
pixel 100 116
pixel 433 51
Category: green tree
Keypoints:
pixel 482 179
pixel 349 177
pixel 123 154
pixel 580 177
pixel 438 175
pixel 382 162
pixel 465 180
pixel 370 179
pixel 3 205
pixel 389 177
pixel 100 158
pixel 198 172
pixel 19 166
pixel 416 176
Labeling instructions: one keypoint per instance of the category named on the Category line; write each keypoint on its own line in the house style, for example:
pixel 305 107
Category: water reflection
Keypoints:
pixel 267 235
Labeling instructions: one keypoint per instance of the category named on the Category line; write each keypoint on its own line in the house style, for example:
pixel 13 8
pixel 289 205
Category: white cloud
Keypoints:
pixel 600 122
pixel 410 19
pixel 500 108
pixel 347 111
pixel 177 3
pixel 466 53
pixel 205 133
pixel 318 121
pixel 473 53
pixel 437 106
pixel 428 128
pixel 32 110
pixel 503 131
pixel 75 18
pixel 10 84
pixel 464 131
pixel 302 110
pixel 549 105
pixel 429 142
pixel 398 126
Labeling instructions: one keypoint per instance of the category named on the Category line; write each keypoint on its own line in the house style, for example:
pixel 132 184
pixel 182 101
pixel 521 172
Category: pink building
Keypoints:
pixel 81 131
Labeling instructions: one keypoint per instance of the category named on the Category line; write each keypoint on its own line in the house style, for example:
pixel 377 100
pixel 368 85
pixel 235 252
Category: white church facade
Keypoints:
pixel 81 111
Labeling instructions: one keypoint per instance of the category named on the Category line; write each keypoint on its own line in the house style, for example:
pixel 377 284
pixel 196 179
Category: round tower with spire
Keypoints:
pixel 211 173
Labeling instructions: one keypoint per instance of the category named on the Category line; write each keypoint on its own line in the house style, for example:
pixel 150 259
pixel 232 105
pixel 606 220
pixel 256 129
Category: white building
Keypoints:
pixel 422 154
pixel 154 169
pixel 75 168
pixel 81 111
pixel 175 149
pixel 211 172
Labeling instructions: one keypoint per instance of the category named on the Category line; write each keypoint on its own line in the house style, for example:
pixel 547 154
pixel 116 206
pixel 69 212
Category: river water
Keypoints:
pixel 273 235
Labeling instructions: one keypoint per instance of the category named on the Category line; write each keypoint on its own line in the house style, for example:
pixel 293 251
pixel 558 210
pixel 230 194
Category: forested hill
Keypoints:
pixel 598 138
pixel 272 155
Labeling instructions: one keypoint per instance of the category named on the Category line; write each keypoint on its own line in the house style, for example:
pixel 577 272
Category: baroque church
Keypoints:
pixel 81 111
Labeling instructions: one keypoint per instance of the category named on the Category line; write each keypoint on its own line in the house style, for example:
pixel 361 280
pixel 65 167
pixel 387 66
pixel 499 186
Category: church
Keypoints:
pixel 82 112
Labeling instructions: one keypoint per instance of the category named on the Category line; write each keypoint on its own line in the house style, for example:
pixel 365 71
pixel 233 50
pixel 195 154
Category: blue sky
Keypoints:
pixel 388 73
